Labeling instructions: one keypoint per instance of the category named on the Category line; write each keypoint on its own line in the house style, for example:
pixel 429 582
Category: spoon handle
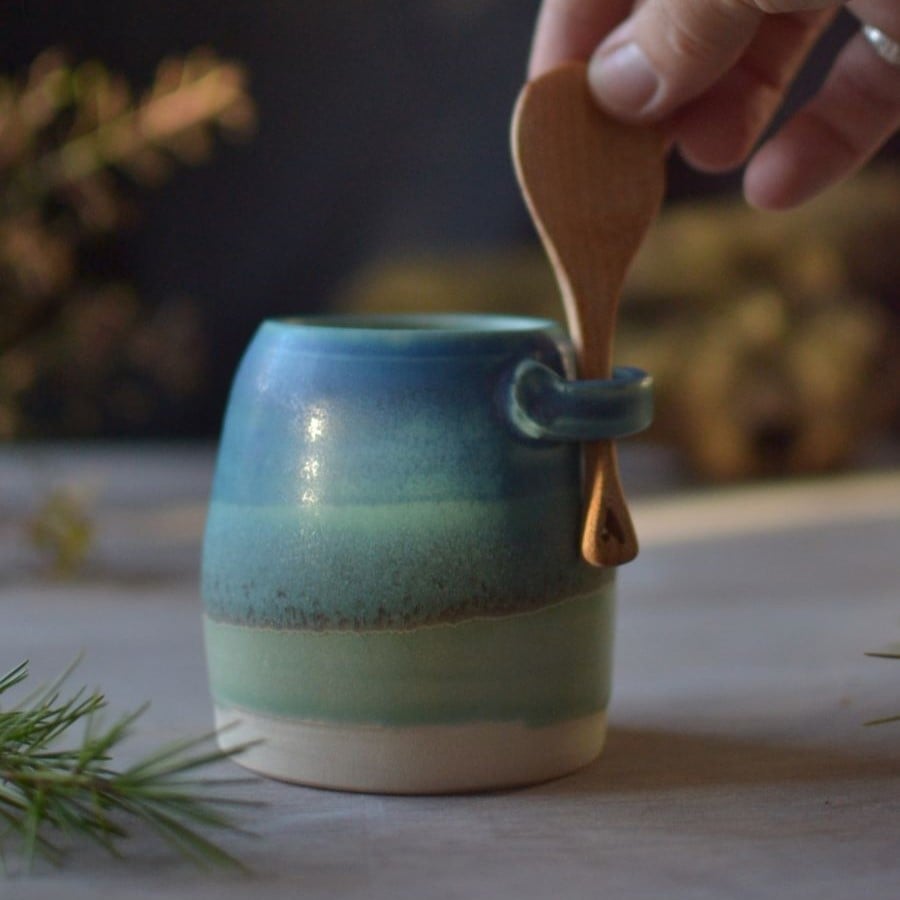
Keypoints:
pixel 608 537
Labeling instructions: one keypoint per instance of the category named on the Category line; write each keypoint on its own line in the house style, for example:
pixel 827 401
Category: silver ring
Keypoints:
pixel 887 48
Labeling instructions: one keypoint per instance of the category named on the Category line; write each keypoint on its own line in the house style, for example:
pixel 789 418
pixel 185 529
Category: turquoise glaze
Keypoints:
pixel 383 483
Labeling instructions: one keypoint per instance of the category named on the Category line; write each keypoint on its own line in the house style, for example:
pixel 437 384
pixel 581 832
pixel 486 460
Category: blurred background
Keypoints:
pixel 172 173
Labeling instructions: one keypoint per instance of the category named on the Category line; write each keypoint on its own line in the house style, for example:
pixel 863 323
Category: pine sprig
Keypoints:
pixel 54 792
pixel 892 652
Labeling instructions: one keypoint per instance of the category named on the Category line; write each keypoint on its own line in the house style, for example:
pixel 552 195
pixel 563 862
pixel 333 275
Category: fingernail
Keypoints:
pixel 623 81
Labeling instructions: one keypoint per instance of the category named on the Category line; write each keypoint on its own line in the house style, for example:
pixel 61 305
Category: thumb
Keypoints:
pixel 671 51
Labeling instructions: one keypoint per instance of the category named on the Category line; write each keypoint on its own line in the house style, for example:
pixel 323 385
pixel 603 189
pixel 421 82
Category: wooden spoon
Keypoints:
pixel 593 185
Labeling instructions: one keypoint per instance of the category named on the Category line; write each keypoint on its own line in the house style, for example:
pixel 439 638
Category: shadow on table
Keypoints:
pixel 639 760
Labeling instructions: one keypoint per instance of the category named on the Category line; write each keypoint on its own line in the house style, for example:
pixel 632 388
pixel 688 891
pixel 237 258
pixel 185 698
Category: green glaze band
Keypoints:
pixel 540 667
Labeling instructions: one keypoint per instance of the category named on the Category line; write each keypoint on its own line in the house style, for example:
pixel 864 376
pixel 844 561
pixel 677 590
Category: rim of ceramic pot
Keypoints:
pixel 409 332
pixel 467 325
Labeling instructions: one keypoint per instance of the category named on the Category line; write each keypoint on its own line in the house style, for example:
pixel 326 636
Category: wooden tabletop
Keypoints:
pixel 737 766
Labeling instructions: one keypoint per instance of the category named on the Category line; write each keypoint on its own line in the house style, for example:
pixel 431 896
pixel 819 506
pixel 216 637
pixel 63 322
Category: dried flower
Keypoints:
pixel 72 138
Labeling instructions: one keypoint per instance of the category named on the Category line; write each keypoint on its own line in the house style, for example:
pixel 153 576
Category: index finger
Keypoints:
pixel 571 29
pixel 672 51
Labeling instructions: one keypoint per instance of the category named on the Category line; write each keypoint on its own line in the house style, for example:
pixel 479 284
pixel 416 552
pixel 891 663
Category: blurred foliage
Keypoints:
pixel 76 350
pixel 773 339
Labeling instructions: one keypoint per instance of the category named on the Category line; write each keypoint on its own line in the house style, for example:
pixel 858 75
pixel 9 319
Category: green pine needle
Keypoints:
pixel 53 793
pixel 892 652
pixel 885 721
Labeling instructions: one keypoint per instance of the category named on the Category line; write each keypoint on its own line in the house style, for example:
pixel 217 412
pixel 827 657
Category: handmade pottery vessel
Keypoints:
pixel 395 599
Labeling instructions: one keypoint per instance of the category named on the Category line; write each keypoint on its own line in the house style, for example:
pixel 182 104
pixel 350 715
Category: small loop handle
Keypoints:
pixel 542 404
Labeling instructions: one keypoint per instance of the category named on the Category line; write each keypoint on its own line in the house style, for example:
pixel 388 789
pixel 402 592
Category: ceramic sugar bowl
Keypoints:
pixel 394 596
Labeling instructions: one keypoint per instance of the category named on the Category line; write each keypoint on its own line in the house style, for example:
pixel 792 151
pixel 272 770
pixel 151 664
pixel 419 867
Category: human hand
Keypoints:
pixel 714 72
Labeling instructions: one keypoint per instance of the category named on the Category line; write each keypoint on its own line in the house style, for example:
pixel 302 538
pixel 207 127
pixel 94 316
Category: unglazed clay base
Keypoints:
pixel 419 759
